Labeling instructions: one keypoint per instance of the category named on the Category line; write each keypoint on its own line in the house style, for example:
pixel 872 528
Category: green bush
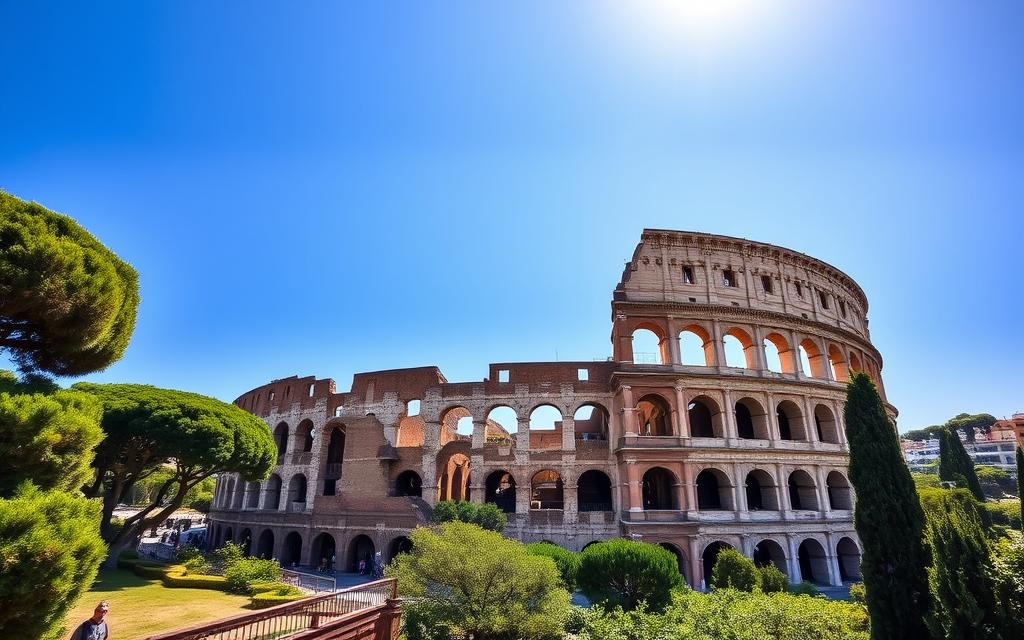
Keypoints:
pixel 1008 575
pixel 150 570
pixel 185 553
pixel 858 594
pixel 464 581
pixel 624 573
pixel 197 566
pixel 228 554
pixel 733 570
pixel 772 579
pixel 804 589
pixel 1005 512
pixel 487 516
pixel 576 620
pixel 270 599
pixel 176 576
pixel 567 562
pixel 242 573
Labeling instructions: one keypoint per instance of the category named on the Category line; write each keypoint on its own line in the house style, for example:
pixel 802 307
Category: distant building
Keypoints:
pixel 996 448
pixel 1011 429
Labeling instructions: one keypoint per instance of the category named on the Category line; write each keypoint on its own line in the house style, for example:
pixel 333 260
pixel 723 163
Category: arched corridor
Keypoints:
pixel 658 490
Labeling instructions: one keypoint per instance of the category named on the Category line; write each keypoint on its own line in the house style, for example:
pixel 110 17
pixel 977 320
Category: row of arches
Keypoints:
pixel 811 561
pixel 322 552
pixel 303 441
pixel 503 420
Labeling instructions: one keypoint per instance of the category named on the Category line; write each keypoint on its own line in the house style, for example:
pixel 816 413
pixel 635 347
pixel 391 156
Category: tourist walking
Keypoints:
pixel 95 628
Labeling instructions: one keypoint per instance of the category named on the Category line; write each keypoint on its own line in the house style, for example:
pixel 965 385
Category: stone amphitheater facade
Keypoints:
pixel 725 430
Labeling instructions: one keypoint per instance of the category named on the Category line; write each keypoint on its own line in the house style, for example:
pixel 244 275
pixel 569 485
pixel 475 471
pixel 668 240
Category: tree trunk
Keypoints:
pixel 115 550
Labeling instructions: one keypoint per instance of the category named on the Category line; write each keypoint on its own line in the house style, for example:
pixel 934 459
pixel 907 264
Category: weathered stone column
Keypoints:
pixel 569 433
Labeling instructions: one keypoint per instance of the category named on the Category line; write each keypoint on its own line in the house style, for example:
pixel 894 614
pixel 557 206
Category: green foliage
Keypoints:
pixel 772 579
pixel 50 550
pixel 227 555
pixel 857 593
pixel 47 439
pixel 960 575
pixel 196 566
pixel 567 562
pixel 503 593
pixel 486 516
pixel 925 480
pixel 281 594
pixel 925 434
pixel 968 423
pixel 624 573
pixel 727 614
pixel 733 570
pixel 956 466
pixel 242 573
pixel 67 303
pixel 1020 480
pixel 1004 512
pixel 994 481
pixel 803 588
pixel 889 519
pixel 1008 575
pixel 576 620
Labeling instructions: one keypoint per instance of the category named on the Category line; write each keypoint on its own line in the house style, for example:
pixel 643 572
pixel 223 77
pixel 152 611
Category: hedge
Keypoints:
pixel 263 594
pixel 271 599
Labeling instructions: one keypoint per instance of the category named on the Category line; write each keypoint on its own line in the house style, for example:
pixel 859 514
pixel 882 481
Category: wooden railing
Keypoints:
pixel 371 609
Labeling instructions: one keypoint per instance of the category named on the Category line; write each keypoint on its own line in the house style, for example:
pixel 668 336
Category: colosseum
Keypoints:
pixel 717 422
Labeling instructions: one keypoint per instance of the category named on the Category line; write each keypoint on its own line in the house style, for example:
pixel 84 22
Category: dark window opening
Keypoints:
pixel 824 299
pixel 729 278
pixel 842 308
pixel 688 275
pixel 766 282
pixel 799 290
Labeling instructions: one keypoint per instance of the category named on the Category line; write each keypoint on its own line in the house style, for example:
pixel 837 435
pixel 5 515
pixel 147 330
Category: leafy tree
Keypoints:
pixel 968 423
pixel 994 481
pixel 772 579
pixel 149 430
pixel 49 554
pixel 1008 574
pixel 624 573
pixel 888 519
pixel 733 570
pixel 505 593
pixel 567 562
pixel 487 516
pixel 960 575
pixel 45 438
pixel 925 434
pixel 67 303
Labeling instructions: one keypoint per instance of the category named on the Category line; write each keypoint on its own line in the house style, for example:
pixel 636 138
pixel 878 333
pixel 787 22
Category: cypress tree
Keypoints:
pixel 965 466
pixel 1020 483
pixel 888 519
pixel 947 465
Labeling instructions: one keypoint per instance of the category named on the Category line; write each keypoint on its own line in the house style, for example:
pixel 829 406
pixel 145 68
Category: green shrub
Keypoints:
pixel 197 566
pixel 1008 575
pixel 175 576
pixel 1005 512
pixel 567 562
pixel 772 579
pixel 265 600
pixel 638 624
pixel 444 511
pixel 246 571
pixel 487 516
pixel 227 555
pixel 625 573
pixel 464 581
pixel 576 619
pixel 804 588
pixel 186 553
pixel 733 570
pixel 857 593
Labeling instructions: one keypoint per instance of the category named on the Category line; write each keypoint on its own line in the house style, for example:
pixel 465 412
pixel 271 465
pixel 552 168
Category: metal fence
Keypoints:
pixel 310 581
pixel 289 619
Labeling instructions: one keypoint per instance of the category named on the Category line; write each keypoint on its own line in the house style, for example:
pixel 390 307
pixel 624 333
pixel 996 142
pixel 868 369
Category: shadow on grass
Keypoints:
pixel 108 580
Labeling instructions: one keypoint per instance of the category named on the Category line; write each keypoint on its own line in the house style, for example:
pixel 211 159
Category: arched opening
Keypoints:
pixel 265 545
pixel 811 360
pixel 837 364
pixel 696 347
pixel 229 535
pixel 739 349
pixel 848 555
pixel 297 493
pixel 825 424
pixel 648 347
pixel 594 491
pixel 500 489
pixel 840 496
pixel 502 421
pixel 791 421
pixel 592 542
pixel 713 491
pixel 361 549
pixel 778 354
pixel 281 440
pixel 401 544
pixel 252 495
pixel 770 552
pixel 408 483
pixel 761 491
pixel 272 501
pixel 709 557
pixel 680 558
pixel 245 539
pixel 291 551
pixel 545 427
pixel 306 435
pixel 453 483
pixel 455 422
pixel 855 362
pixel 323 552
pixel 654 416
pixel 705 418
pixel 335 458
pixel 802 494
pixel 813 563
pixel 591 422
pixel 659 490
pixel 751 419
pixel 412 408
pixel 546 490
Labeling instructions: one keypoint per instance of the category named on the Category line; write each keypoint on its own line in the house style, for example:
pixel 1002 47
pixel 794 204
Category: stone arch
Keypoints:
pixel 848 556
pixel 272 501
pixel 281 440
pixel 265 545
pixel 791 421
pixel 590 421
pixel 305 436
pixel 709 556
pixel 803 494
pixel 658 490
pixel 245 539
pixel 500 489
pixel 705 418
pixel 840 495
pixel 335 458
pixel 546 490
pixel 680 558
pixel 811 359
pixel 252 495
pixel 855 363
pixel 229 535
pixel 740 350
pixel 296 493
pixel 401 544
pixel 825 424
pixel 696 346
pixel 592 542
pixel 323 552
pixel 837 364
pixel 714 492
pixel 648 344
pixel 453 471
pixel 813 562
pixel 594 491
pixel 751 419
pixel 409 483
pixel 361 548
pixel 654 415
pixel 761 490
pixel 291 550
pixel 769 551
pixel 455 421
pixel 502 421
pixel 778 353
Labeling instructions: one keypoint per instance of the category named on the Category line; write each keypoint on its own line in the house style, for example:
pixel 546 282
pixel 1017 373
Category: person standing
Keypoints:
pixel 95 628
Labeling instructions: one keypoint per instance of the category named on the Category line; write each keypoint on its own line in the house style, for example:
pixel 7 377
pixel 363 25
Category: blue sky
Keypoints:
pixel 324 188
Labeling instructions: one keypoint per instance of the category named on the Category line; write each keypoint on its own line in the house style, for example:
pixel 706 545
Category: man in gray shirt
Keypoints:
pixel 95 628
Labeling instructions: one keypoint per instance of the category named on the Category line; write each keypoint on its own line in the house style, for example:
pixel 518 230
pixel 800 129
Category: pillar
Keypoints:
pixel 683 415
pixel 820 477
pixel 782 479
pixel 630 425
pixel 696 566
pixel 832 559
pixel 794 354
pixel 570 504
pixel 523 494
pixel 730 418
pixel 740 496
pixel 569 433
pixel 793 560
pixel 674 354
pixel 809 423
pixel 773 419
pixel 479 433
pixel 633 483
pixel 716 337
pixel 761 361
pixel 431 446
pixel 523 434
pixel 690 491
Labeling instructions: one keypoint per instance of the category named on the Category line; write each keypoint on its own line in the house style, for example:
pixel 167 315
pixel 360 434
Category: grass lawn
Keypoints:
pixel 140 607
